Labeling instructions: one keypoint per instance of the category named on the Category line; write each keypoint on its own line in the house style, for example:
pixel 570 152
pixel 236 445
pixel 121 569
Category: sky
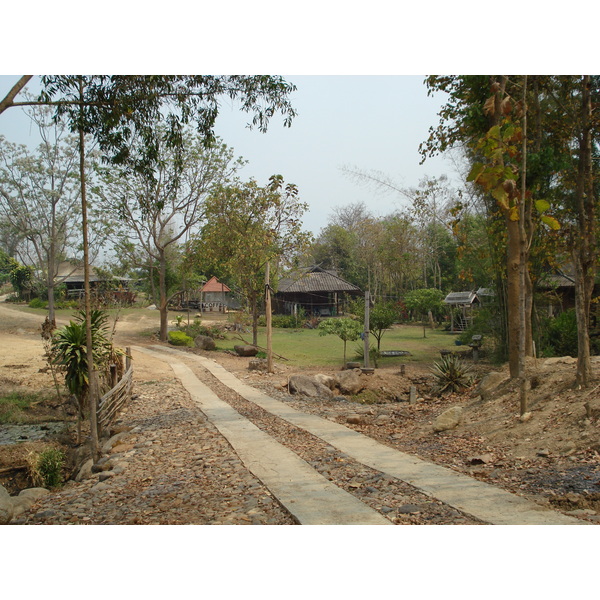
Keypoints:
pixel 371 123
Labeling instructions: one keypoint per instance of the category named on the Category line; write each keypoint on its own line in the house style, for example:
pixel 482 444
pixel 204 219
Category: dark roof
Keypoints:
pixel 461 298
pixel 314 279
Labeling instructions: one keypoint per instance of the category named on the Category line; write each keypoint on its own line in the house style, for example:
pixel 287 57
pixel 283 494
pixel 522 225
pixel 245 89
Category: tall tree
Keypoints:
pixel 162 211
pixel 39 200
pixel 248 226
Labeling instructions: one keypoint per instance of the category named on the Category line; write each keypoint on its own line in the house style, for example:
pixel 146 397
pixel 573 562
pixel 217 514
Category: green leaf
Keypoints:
pixel 476 171
pixel 551 222
pixel 542 206
pixel 501 197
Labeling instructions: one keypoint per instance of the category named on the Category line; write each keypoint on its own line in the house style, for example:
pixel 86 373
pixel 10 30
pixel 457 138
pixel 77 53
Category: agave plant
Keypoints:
pixel 451 374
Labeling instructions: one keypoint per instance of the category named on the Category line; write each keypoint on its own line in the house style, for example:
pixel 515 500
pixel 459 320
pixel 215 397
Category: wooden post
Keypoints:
pixel 113 376
pixel 127 358
pixel 412 398
pixel 366 330
pixel 268 316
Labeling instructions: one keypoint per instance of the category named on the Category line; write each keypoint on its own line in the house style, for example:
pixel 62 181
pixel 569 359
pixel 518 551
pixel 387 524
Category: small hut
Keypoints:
pixel 461 309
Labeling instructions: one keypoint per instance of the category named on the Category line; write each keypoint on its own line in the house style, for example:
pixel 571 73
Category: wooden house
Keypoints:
pixel 317 291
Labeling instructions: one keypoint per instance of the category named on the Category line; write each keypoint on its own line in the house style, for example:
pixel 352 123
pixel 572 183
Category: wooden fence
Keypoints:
pixel 114 400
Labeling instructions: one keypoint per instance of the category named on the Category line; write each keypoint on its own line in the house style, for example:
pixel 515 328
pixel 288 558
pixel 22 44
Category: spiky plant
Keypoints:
pixel 451 375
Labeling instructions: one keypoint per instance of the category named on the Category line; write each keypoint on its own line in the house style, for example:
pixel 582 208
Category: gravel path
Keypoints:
pixel 172 467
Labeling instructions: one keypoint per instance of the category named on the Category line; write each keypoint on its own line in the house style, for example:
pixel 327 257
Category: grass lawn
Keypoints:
pixel 305 347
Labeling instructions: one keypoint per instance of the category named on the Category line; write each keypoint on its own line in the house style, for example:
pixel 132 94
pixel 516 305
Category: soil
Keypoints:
pixel 550 455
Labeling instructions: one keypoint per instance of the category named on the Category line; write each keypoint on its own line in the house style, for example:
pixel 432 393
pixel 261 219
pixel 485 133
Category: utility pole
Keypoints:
pixel 268 316
pixel 366 329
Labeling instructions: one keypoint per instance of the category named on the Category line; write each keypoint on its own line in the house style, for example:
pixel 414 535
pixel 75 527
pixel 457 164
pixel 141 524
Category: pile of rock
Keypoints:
pixel 349 382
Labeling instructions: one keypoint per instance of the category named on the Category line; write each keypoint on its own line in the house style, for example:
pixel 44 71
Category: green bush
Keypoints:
pixel 179 338
pixel 559 336
pixel 46 467
pixel 38 303
pixel 213 331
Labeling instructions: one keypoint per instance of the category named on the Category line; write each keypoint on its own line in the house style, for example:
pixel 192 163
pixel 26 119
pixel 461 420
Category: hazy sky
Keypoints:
pixel 368 122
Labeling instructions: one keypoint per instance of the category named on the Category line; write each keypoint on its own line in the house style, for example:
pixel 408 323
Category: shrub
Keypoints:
pixel 451 375
pixel 560 335
pixel 38 303
pixel 46 467
pixel 179 338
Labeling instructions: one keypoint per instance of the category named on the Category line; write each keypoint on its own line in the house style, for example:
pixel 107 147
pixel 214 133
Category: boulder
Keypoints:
pixel 26 499
pixel 449 419
pixel 489 383
pixel 308 386
pixel 6 506
pixel 327 380
pixel 85 471
pixel 204 342
pixel 246 350
pixel 350 382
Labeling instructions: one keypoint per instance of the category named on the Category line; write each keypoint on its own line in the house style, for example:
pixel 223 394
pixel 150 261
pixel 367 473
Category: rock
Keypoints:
pixel 327 380
pixel 246 350
pixel 449 419
pixel 543 453
pixel 489 383
pixel 204 342
pixel 258 364
pixel 119 448
pixel 483 459
pixel 35 493
pixel 525 417
pixel 308 386
pixel 151 307
pixel 558 360
pixel 350 382
pixel 108 445
pixel 408 509
pixel 354 419
pixel 6 506
pixel 85 471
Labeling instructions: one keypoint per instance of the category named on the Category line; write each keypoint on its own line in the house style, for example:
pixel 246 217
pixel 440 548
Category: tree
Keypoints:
pixel 424 302
pixel 159 212
pixel 39 200
pixel 348 330
pixel 248 226
pixel 382 315
pixel 116 109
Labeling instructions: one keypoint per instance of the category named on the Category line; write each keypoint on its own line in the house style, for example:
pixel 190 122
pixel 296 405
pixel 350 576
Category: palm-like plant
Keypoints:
pixel 69 351
pixel 451 374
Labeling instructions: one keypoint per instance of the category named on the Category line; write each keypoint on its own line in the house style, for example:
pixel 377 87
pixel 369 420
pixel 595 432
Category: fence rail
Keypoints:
pixel 114 400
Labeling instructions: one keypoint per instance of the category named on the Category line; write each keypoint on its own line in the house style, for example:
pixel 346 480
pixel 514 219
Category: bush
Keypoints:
pixel 38 303
pixel 559 336
pixel 46 467
pixel 179 338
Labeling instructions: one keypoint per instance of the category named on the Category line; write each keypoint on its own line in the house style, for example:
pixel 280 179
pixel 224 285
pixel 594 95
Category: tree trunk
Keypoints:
pixel 162 285
pixel 513 267
pixel 92 380
pixel 584 252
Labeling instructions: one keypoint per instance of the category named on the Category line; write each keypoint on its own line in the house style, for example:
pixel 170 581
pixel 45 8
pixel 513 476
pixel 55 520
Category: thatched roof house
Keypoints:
pixel 317 291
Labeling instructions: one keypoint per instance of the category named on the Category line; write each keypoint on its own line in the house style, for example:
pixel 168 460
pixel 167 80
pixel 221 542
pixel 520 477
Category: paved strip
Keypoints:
pixel 309 497
pixel 481 500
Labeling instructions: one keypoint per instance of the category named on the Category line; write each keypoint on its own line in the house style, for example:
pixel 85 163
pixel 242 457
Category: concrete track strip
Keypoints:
pixel 309 497
pixel 481 500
